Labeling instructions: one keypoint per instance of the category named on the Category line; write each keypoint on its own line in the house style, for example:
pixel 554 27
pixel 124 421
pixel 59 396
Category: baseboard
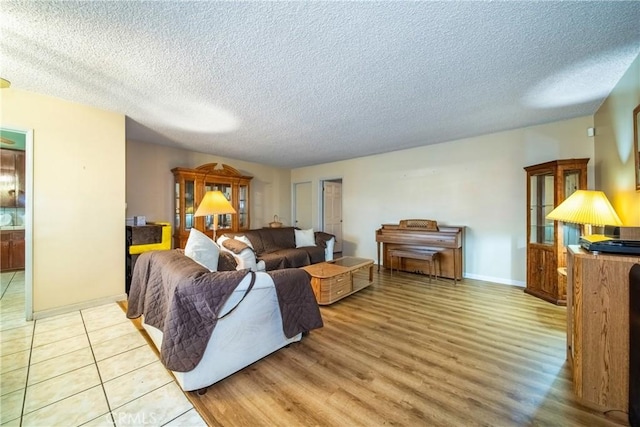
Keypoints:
pixel 498 280
pixel 77 307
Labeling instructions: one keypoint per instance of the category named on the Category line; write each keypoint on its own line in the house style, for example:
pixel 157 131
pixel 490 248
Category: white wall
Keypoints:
pixel 150 184
pixel 477 182
pixel 78 200
pixel 615 166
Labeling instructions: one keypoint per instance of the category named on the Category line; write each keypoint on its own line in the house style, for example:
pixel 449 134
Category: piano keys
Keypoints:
pixel 423 235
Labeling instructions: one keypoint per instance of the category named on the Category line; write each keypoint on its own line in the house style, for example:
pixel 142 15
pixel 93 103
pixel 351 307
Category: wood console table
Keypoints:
pixel 598 327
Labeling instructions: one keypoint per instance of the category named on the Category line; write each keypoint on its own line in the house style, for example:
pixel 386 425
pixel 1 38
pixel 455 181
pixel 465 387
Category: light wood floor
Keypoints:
pixel 408 352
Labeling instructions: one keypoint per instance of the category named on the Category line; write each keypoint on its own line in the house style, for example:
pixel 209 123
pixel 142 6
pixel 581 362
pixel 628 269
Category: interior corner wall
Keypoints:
pixel 78 199
pixel 615 167
pixel 151 188
pixel 476 182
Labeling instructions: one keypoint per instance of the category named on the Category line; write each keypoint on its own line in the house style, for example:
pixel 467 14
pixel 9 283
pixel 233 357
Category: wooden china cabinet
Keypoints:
pixel 548 184
pixel 190 187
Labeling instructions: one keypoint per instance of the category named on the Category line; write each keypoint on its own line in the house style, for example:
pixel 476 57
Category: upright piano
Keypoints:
pixel 423 235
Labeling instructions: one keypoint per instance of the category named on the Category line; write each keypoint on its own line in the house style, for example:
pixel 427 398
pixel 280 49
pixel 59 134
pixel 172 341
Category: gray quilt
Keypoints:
pixel 183 300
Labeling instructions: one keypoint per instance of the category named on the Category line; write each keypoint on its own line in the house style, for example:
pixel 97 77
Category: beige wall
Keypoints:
pixel 78 199
pixel 615 166
pixel 476 182
pixel 150 183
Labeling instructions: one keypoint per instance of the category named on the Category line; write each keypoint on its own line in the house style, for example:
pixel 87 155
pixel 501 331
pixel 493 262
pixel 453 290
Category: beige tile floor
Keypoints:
pixel 87 368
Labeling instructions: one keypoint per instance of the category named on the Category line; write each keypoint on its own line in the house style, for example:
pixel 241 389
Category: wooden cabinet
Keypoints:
pixel 190 187
pixel 332 289
pixel 548 184
pixel 12 250
pixel 12 178
pixel 598 327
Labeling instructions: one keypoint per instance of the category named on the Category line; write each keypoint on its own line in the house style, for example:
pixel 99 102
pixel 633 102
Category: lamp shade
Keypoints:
pixel 586 207
pixel 214 203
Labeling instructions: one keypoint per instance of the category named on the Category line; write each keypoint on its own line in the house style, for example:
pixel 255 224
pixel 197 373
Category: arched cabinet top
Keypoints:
pixel 214 169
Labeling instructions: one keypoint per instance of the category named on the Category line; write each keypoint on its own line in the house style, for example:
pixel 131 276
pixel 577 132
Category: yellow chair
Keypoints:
pixel 164 245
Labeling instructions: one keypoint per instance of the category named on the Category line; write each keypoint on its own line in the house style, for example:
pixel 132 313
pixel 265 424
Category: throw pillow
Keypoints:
pixel 245 240
pixel 247 259
pixel 221 240
pixel 235 246
pixel 305 238
pixel 245 256
pixel 202 250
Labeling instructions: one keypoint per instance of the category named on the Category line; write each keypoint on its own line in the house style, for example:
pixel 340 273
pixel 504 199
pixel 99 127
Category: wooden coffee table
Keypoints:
pixel 333 280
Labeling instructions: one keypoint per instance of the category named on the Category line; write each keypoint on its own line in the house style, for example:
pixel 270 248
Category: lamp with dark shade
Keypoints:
pixel 214 203
pixel 588 207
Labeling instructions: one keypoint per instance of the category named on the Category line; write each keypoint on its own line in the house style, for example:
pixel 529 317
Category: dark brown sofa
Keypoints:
pixel 277 247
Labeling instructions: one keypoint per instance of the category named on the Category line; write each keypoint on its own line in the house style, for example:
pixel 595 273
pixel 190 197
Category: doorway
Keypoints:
pixel 16 212
pixel 332 210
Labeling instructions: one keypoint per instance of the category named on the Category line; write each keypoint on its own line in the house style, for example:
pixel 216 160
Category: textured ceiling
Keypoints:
pixel 299 83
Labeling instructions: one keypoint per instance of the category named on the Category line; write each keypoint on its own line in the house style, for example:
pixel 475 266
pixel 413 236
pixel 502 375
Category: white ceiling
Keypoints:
pixel 299 83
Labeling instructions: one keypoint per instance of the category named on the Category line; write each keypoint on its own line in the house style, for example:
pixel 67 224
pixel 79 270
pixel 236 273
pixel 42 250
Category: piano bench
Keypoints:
pixel 430 256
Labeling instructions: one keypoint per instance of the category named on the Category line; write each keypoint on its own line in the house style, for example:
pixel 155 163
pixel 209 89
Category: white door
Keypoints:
pixel 302 214
pixel 332 202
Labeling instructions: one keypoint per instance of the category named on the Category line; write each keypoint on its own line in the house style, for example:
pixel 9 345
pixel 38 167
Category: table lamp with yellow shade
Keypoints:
pixel 589 208
pixel 214 203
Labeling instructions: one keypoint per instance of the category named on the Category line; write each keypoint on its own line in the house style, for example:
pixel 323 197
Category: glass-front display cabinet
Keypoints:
pixel 190 187
pixel 548 184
